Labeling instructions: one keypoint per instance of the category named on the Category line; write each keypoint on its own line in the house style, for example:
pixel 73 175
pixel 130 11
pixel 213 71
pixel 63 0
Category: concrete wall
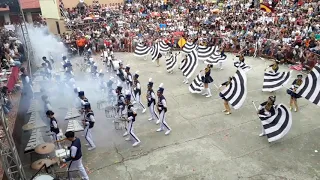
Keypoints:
pixel 74 3
pixel 50 9
pixel 52 26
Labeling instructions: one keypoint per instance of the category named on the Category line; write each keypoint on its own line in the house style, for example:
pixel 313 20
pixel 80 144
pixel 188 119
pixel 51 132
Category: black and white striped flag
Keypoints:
pixel 155 51
pixel 141 50
pixel 215 58
pixel 242 65
pixel 188 47
pixel 204 52
pixel 277 122
pixel 236 91
pixel 189 65
pixel 197 85
pixel 310 87
pixel 163 47
pixel 274 81
pixel 171 62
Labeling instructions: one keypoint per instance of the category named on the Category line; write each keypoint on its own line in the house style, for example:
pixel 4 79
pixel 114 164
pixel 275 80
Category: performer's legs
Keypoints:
pixel 138 99
pixel 163 123
pixel 81 169
pixel 88 138
pixel 263 132
pixel 291 102
pixel 133 135
pixel 295 104
pixel 220 65
pixel 209 91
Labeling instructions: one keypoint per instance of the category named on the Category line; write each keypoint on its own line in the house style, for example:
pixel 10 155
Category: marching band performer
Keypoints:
pixel 292 92
pixel 88 123
pixel 274 66
pixel 137 91
pixel 129 81
pixel 186 80
pixel 151 97
pixel 53 125
pixel 120 72
pixel 266 108
pixel 131 119
pixel 110 91
pixel 162 109
pixel 47 105
pixel 83 100
pixel 77 101
pixel 75 156
pixel 227 109
pixel 206 79
pixel 102 83
pixel 121 101
pixel 47 71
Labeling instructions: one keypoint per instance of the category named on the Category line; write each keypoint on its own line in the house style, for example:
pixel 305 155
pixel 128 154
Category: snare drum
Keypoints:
pixel 43 177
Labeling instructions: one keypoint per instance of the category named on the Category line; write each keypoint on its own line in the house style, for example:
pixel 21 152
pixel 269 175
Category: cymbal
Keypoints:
pixel 44 148
pixel 28 127
pixel 39 163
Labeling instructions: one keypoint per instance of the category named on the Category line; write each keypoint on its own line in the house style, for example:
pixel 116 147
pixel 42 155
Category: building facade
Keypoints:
pixel 32 13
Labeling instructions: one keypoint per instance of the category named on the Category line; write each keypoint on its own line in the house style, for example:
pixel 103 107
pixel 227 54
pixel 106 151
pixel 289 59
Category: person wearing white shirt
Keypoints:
pixel 88 123
pixel 162 109
pixel 75 157
pixel 131 119
pixel 137 91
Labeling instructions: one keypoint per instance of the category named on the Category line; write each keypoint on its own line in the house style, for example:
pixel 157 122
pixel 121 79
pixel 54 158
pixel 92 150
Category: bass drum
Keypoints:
pixel 115 65
pixel 43 177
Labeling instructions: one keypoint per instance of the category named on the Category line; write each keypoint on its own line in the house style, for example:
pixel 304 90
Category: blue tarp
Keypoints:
pixel 162 25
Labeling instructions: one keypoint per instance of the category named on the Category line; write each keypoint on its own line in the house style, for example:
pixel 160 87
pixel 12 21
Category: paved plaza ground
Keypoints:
pixel 205 144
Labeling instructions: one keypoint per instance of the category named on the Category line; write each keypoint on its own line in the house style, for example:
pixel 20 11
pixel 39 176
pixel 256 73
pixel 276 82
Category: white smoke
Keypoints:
pixel 44 44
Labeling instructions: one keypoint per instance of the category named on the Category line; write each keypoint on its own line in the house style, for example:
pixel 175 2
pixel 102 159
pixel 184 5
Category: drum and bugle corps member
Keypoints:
pixel 75 157
pixel 120 72
pixel 292 92
pixel 137 91
pixel 266 108
pixel 129 81
pixel 151 98
pixel 207 79
pixel 131 119
pixel 162 109
pixel 53 125
pixel 227 108
pixel 83 100
pixel 121 101
pixel 88 123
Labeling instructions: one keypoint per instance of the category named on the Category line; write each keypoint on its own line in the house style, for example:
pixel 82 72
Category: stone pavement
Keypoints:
pixel 205 144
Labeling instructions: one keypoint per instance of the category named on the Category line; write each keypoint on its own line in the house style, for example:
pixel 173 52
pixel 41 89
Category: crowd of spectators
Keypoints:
pixel 290 34
pixel 12 55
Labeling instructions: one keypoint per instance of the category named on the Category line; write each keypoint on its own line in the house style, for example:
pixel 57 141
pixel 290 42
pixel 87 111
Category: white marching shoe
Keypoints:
pixel 158 121
pixel 87 144
pixel 128 139
pixel 143 111
pixel 186 82
pixel 209 95
pixel 125 134
pixel 136 144
pixel 167 132
pixel 134 102
pixel 262 134
pixel 150 119
pixel 91 148
pixel 159 130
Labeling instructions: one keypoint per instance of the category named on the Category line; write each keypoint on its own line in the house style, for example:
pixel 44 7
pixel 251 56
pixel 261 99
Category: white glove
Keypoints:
pixel 134 89
pixel 149 99
pixel 63 160
pixel 160 108
pixel 120 106
pixel 130 118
